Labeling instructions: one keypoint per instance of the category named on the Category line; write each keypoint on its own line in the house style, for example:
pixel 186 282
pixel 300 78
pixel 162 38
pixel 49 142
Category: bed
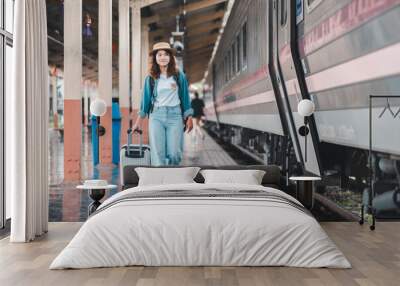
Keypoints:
pixel 198 224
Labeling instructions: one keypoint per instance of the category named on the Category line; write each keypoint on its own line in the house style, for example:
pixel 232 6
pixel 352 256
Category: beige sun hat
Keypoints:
pixel 162 46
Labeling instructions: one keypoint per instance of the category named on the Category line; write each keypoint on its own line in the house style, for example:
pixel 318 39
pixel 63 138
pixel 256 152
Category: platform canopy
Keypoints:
pixel 200 20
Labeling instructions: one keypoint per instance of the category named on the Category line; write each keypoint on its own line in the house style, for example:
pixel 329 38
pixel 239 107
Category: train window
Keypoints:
pixel 229 66
pixel 244 45
pixel 238 54
pixel 233 59
pixel 283 12
pixel 223 70
pixel 311 4
pixel 226 69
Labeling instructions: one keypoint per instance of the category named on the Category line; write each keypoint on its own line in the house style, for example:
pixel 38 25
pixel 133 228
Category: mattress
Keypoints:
pixel 201 225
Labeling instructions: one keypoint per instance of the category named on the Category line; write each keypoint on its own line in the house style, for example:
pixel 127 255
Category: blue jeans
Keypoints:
pixel 166 135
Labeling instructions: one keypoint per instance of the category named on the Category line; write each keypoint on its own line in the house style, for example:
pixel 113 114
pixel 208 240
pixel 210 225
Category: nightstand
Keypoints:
pixel 304 189
pixel 96 193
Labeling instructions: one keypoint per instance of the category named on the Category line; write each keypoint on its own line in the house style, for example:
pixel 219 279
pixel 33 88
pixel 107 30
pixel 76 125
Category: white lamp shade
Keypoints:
pixel 98 107
pixel 305 107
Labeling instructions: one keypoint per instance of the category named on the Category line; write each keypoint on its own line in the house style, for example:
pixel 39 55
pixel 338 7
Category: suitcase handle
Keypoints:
pixel 140 133
pixel 137 130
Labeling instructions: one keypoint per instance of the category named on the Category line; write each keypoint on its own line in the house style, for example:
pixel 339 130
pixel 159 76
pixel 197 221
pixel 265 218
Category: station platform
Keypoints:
pixel 66 203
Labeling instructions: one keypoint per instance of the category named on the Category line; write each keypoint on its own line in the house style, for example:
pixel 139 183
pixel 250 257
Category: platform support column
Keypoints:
pixel 137 66
pixel 72 89
pixel 105 77
pixel 124 53
pixel 145 52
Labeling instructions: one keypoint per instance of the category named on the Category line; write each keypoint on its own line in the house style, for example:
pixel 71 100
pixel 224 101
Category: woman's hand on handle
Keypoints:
pixel 138 124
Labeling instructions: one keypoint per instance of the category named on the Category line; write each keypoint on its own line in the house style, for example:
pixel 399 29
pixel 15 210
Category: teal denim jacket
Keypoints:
pixel 183 91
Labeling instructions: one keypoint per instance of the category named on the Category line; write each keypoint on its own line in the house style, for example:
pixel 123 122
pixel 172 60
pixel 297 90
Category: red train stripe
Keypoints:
pixel 344 20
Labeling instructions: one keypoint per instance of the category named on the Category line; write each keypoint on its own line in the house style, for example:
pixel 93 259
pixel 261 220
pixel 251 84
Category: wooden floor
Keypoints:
pixel 375 257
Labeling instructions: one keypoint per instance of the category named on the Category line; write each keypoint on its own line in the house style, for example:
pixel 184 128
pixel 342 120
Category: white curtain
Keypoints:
pixel 28 123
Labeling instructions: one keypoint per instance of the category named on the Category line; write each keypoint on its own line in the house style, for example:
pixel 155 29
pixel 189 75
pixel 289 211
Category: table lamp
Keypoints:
pixel 305 108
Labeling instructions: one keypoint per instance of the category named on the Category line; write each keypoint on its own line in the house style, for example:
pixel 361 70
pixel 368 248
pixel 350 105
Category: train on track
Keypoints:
pixel 272 54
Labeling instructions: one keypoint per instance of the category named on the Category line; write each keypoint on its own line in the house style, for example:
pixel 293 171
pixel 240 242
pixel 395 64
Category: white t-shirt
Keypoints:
pixel 167 92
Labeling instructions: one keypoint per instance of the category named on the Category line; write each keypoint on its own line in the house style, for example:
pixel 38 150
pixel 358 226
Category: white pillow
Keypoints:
pixel 162 176
pixel 249 177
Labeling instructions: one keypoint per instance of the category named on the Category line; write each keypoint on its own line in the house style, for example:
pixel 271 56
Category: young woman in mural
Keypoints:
pixel 166 101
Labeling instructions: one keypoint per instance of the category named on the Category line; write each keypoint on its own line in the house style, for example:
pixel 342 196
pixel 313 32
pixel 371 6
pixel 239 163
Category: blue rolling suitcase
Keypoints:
pixel 133 154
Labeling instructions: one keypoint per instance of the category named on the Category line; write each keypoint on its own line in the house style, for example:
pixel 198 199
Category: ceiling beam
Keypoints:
pixel 202 42
pixel 198 70
pixel 203 18
pixel 195 77
pixel 206 55
pixel 167 15
pixel 157 33
pixel 151 19
pixel 194 62
pixel 197 19
pixel 144 3
pixel 149 2
pixel 200 49
pixel 195 6
pixel 197 73
pixel 161 38
pixel 196 65
pixel 189 54
pixel 198 30
pixel 206 39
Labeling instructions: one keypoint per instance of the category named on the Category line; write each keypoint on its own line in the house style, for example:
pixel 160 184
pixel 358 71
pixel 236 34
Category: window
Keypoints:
pixel 244 44
pixel 283 12
pixel 2 110
pixel 8 90
pixel 232 61
pixel 233 49
pixel 6 64
pixel 224 69
pixel 238 54
pixel 226 72
pixel 9 15
pixel 229 66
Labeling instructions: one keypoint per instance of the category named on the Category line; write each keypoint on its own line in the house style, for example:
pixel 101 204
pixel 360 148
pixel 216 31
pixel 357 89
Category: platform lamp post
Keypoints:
pixel 305 108
pixel 97 108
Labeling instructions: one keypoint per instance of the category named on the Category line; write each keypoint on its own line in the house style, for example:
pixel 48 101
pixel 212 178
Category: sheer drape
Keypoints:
pixel 28 122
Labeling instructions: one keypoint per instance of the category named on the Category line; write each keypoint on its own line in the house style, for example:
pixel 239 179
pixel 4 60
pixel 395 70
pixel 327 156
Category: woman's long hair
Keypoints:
pixel 155 68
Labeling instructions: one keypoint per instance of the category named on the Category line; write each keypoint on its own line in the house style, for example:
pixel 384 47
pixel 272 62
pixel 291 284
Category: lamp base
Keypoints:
pixel 304 130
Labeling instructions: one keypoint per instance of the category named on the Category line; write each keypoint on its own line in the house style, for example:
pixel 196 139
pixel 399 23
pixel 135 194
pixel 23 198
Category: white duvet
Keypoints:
pixel 200 231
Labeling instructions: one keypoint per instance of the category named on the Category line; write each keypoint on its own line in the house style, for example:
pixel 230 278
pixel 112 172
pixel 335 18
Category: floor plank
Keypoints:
pixel 375 257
